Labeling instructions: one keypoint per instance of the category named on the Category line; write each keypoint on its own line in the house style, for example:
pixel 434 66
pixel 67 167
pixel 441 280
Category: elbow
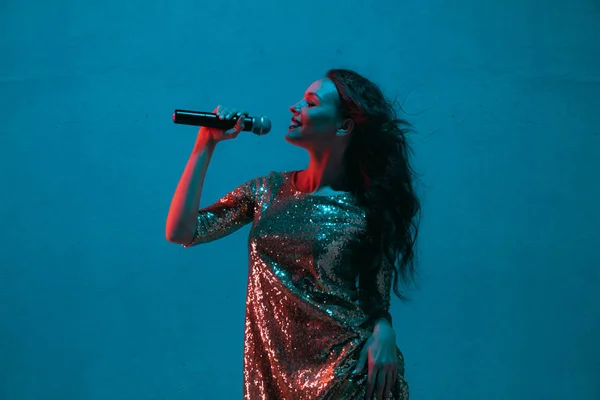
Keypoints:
pixel 171 238
pixel 179 233
pixel 177 238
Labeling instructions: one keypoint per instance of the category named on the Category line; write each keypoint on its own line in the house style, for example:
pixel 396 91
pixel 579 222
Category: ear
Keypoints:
pixel 346 127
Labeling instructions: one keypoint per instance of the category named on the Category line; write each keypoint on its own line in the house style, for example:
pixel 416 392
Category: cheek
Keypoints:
pixel 317 119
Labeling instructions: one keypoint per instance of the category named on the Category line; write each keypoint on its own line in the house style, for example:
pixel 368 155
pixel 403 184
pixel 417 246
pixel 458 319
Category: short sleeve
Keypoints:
pixel 227 215
pixel 374 287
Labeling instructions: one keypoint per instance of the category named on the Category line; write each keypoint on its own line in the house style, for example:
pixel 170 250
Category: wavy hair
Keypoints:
pixel 377 165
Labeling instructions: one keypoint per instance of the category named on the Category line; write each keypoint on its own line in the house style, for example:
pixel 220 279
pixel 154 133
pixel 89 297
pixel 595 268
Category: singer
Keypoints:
pixel 327 245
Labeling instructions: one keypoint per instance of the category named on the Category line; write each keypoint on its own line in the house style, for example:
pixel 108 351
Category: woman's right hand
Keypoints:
pixel 217 135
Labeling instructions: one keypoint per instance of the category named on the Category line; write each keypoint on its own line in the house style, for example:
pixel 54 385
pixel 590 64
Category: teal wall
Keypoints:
pixel 96 304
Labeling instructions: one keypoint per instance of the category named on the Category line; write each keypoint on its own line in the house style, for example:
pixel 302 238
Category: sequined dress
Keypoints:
pixel 309 310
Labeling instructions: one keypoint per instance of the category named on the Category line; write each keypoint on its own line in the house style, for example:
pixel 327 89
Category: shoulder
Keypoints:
pixel 272 178
pixel 270 182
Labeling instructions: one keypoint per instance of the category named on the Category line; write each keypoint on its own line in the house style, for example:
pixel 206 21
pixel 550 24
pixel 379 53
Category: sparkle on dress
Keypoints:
pixel 309 309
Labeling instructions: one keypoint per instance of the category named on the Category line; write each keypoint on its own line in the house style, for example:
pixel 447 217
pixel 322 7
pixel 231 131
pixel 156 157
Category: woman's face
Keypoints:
pixel 315 120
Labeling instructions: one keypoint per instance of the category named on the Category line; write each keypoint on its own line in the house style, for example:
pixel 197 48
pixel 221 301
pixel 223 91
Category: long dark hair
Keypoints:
pixel 377 165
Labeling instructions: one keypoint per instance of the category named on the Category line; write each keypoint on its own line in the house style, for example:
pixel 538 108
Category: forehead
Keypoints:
pixel 325 88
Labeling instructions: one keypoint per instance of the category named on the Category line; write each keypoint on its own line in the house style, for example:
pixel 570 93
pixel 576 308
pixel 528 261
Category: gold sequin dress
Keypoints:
pixel 309 310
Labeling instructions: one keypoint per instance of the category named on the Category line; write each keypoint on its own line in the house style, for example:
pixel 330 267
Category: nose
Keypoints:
pixel 297 108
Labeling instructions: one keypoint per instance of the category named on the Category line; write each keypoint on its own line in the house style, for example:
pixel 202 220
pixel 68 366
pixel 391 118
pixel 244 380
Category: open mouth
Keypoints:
pixel 295 123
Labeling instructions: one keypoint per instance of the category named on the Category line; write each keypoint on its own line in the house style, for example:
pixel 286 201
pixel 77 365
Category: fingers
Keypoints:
pixel 380 382
pixel 362 359
pixel 226 113
pixel 239 126
pixel 389 379
pixel 371 380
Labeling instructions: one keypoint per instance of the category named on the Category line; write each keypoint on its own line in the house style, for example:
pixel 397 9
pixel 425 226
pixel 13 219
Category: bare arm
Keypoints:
pixel 183 213
pixel 181 220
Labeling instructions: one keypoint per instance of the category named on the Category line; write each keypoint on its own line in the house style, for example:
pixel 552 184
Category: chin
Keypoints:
pixel 292 136
pixel 296 141
pixel 291 140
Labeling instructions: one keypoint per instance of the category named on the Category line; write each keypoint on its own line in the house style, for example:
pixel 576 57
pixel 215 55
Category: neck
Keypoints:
pixel 325 170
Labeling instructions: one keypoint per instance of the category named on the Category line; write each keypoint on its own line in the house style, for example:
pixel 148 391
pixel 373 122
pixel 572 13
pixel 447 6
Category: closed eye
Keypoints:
pixel 311 95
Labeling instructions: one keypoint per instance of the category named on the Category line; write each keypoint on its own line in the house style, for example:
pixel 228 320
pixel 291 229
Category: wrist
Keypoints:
pixel 382 317
pixel 382 323
pixel 204 143
pixel 383 329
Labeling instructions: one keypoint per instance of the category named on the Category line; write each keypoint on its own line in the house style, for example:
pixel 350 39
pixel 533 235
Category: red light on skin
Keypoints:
pixel 173 117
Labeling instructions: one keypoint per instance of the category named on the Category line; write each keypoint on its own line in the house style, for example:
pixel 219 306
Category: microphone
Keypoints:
pixel 258 125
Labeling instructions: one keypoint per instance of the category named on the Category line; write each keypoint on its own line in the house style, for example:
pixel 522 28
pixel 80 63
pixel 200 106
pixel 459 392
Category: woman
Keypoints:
pixel 324 245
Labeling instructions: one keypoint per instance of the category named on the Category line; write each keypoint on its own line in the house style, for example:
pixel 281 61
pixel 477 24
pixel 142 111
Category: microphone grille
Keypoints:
pixel 261 125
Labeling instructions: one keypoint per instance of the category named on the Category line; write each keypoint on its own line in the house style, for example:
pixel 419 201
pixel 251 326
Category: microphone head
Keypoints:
pixel 261 125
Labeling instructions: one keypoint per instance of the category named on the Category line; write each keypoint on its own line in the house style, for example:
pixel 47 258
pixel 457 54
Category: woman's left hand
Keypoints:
pixel 380 352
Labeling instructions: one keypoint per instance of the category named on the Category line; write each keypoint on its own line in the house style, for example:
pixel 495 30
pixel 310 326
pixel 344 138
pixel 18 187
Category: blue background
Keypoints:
pixel 96 304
